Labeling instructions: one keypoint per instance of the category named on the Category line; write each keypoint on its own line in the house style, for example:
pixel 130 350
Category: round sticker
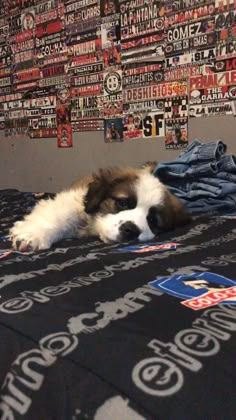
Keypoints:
pixel 169 48
pixel 158 76
pixel 112 82
pixel 220 65
pixel 232 92
pixel 159 24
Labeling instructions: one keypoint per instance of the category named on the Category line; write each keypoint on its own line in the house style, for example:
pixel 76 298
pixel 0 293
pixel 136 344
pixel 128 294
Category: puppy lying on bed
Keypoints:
pixel 114 204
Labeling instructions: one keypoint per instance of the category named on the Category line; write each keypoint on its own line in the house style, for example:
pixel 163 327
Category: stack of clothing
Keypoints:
pixel 203 177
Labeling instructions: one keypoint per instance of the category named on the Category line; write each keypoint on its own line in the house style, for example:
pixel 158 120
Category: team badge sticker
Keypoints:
pixel 198 290
pixel 112 82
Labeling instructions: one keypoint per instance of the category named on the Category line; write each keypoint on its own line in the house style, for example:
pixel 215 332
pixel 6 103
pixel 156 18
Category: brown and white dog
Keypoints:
pixel 117 204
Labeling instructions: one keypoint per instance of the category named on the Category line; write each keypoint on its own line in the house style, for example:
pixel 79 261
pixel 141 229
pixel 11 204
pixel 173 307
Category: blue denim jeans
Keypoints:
pixel 203 177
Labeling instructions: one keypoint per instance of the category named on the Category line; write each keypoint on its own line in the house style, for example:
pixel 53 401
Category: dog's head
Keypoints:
pixel 127 204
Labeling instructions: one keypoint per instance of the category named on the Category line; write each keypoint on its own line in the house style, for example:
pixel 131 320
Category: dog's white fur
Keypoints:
pixel 65 216
pixel 50 221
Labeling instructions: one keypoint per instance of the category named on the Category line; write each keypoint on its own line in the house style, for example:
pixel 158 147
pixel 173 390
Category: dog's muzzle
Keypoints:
pixel 129 231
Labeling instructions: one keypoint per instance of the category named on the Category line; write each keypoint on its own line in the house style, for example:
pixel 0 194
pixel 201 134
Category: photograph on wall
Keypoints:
pixel 132 126
pixel 113 130
pixel 110 32
pixel 109 7
pixel 112 56
pixel 176 136
pixel 64 129
pixel 64 135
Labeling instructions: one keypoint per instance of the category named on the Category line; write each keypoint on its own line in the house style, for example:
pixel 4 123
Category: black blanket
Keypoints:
pixel 85 336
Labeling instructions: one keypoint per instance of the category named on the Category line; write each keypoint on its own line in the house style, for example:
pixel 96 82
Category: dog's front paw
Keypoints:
pixel 25 237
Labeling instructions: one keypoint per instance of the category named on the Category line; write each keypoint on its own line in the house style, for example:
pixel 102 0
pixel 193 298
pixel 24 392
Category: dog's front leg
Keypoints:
pixel 50 221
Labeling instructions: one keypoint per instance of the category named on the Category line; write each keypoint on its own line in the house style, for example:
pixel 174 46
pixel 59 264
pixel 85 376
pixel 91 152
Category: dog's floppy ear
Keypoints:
pixel 149 166
pixel 98 189
pixel 181 216
pixel 172 213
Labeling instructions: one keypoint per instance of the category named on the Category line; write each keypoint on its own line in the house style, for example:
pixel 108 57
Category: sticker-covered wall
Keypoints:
pixel 133 68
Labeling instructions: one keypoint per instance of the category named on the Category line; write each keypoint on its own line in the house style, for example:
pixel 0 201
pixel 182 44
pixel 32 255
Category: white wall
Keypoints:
pixel 38 165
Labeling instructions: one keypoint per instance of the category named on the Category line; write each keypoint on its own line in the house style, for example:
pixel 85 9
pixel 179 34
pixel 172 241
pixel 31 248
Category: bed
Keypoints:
pixel 84 335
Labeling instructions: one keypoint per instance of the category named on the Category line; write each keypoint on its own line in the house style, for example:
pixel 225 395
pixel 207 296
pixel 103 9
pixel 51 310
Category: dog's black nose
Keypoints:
pixel 129 231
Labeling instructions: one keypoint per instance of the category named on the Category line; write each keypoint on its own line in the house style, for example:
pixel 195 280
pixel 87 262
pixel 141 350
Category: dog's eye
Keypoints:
pixel 152 220
pixel 123 203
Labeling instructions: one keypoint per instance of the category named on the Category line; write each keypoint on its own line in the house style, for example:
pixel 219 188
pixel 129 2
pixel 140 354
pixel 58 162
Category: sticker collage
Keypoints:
pixel 132 68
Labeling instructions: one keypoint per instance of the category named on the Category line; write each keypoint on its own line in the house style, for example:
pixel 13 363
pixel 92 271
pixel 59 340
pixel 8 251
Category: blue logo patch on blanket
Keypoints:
pixel 149 247
pixel 199 290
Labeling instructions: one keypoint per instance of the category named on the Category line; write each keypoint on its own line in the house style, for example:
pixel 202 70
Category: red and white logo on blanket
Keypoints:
pixel 199 290
pixel 211 298
pixel 4 254
pixel 149 247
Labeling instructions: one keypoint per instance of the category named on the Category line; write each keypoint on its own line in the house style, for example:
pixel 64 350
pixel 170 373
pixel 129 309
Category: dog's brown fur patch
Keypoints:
pixel 173 213
pixel 108 184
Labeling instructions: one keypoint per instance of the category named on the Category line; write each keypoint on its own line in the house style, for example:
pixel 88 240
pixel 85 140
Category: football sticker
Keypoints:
pixel 199 290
